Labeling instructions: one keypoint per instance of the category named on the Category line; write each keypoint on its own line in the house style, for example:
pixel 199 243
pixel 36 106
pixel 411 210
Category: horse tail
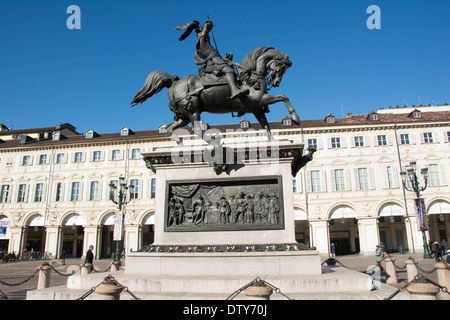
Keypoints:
pixel 155 82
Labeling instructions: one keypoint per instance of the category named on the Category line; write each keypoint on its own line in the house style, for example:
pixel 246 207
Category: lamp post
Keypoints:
pixel 411 176
pixel 121 201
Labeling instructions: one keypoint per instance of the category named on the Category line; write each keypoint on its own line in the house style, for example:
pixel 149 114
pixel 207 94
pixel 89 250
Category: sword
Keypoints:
pixel 212 33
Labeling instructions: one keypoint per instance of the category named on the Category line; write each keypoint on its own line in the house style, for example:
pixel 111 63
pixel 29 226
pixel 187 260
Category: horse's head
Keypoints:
pixel 277 68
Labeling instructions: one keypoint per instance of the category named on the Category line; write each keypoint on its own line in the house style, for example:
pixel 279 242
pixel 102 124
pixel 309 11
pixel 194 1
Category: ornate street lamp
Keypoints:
pixel 411 176
pixel 120 199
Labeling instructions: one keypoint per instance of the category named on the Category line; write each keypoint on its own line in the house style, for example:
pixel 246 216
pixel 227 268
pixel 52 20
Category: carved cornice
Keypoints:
pixel 277 247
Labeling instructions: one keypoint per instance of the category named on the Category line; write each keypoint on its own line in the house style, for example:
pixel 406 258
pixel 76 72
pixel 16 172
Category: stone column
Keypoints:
pixel 44 276
pixel 422 291
pixel 258 291
pixel 86 268
pixel 115 266
pixel 443 279
pixel 411 269
pixel 108 290
pixel 390 270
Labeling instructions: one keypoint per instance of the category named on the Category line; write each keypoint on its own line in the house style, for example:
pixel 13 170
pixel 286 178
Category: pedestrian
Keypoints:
pixel 448 257
pixel 333 250
pixel 379 256
pixel 436 251
pixel 444 247
pixel 90 256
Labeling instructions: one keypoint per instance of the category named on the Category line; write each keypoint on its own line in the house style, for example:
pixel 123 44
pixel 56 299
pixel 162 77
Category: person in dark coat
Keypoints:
pixel 89 256
pixel 436 251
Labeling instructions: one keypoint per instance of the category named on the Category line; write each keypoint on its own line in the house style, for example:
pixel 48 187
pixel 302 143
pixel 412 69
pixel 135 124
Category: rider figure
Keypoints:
pixel 211 61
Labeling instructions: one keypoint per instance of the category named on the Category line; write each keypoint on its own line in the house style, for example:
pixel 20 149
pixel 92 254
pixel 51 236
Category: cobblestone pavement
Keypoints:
pixel 17 272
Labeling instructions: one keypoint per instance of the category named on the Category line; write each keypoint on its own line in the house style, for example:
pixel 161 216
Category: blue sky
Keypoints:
pixel 50 74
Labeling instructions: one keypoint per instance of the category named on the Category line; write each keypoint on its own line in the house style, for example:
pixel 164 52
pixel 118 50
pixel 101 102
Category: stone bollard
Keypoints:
pixel 44 276
pixel 391 277
pixel 258 291
pixel 422 289
pixel 109 290
pixel 443 279
pixel 86 268
pixel 411 269
pixel 115 266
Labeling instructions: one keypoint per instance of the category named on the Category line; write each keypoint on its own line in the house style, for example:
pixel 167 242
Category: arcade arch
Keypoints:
pixel 72 235
pixel 392 227
pixel 34 233
pixel 343 230
pixel 439 220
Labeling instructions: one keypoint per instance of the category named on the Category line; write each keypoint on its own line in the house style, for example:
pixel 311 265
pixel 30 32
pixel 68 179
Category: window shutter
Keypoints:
pixel 443 175
pixel 371 178
pixel 333 180
pixel 308 181
pixel 323 181
pixel 348 184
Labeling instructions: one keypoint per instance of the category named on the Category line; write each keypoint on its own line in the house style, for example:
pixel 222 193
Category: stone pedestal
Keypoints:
pixel 254 237
pixel 44 276
pixel 411 269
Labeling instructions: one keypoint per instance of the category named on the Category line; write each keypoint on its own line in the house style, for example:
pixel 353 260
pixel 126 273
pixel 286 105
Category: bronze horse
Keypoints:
pixel 192 95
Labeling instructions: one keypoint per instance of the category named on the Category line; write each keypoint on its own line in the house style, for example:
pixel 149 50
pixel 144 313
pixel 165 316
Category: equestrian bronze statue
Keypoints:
pixel 222 85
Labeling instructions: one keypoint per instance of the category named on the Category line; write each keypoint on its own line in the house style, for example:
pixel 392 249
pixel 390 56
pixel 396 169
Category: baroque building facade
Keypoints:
pixel 55 182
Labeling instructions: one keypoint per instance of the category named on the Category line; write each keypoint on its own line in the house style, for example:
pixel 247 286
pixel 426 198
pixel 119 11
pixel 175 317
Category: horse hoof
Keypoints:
pixel 295 118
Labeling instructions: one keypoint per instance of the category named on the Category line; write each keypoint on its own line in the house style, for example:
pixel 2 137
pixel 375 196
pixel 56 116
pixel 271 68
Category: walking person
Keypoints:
pixel 333 250
pixel 379 256
pixel 436 251
pixel 90 257
pixel 444 247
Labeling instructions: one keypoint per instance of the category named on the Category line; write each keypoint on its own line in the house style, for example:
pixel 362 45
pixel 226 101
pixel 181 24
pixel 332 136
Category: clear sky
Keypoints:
pixel 87 77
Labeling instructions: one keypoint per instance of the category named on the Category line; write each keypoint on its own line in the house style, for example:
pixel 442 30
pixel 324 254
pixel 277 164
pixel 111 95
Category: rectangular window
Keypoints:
pixel 78 157
pixel 95 191
pixel 448 139
pixel 335 142
pixel 75 191
pixel 60 158
pixel 153 190
pixel 21 195
pixel 115 155
pixel 382 140
pixel 359 141
pixel 434 176
pixel 39 192
pixel 134 190
pixel 26 161
pixel 43 159
pixel 312 143
pixel 9 161
pixel 428 137
pixel 404 139
pixel 4 195
pixel 339 179
pixel 315 181
pixel 97 156
pixel 363 179
pixel 390 177
pixel 135 153
pixel 59 192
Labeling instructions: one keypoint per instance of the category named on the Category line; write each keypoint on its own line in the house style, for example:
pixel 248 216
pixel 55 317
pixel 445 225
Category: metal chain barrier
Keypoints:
pixel 108 280
pixel 257 281
pixel 95 270
pixel 332 262
pixel 19 283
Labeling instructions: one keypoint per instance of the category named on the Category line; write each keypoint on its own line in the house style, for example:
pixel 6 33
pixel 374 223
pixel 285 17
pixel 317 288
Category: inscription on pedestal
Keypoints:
pixel 224 205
